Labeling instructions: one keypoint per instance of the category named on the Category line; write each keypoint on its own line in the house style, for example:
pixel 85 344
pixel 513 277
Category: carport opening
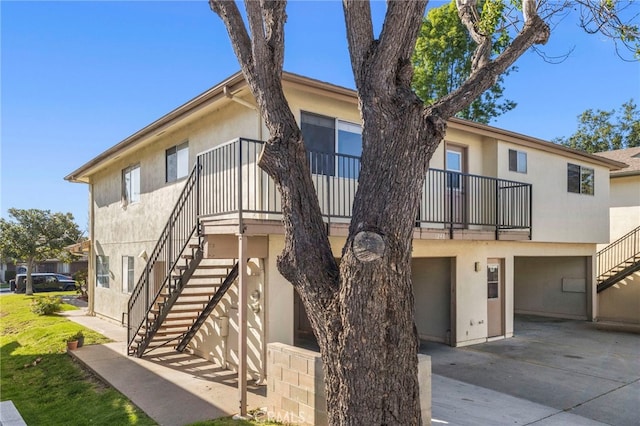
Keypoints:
pixel 553 286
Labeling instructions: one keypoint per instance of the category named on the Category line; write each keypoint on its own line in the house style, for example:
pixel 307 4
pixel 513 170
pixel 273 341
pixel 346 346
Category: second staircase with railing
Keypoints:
pixel 618 260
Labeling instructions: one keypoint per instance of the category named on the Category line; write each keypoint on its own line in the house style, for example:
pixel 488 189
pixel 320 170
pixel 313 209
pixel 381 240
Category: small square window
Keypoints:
pixel 517 161
pixel 580 180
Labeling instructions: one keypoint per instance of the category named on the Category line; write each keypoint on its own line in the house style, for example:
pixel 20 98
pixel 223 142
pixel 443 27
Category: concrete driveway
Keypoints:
pixel 566 365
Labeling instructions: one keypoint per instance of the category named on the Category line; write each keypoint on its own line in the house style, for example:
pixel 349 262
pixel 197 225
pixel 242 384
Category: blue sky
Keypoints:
pixel 78 77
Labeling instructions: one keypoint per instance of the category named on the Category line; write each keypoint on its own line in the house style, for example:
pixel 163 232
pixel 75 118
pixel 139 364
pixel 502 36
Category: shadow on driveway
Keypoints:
pixel 565 364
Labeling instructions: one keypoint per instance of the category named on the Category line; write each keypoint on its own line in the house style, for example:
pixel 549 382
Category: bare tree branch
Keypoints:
pixel 534 31
pixel 468 13
pixel 357 15
pixel 230 15
pixel 398 38
pixel 274 18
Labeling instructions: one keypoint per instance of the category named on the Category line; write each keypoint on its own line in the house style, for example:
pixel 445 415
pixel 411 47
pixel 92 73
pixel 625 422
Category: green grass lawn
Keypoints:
pixel 47 386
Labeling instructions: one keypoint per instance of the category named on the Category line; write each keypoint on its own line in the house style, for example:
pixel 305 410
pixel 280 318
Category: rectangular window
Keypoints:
pixel 580 180
pixel 493 282
pixel 177 162
pixel 102 271
pixel 319 135
pixel 517 161
pixel 454 167
pixel 131 185
pixel 326 136
pixel 127 274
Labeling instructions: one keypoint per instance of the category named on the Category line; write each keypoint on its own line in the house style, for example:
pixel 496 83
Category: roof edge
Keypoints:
pixel 190 105
pixel 237 79
pixel 522 139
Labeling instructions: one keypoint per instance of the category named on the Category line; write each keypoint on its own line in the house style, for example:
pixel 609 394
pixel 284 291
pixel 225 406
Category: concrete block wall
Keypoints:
pixel 295 386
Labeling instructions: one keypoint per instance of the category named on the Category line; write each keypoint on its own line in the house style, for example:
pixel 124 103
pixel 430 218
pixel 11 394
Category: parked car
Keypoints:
pixel 44 281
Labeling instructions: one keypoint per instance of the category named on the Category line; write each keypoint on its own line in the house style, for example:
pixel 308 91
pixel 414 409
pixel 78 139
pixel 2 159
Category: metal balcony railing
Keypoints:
pixel 227 182
pixel 231 183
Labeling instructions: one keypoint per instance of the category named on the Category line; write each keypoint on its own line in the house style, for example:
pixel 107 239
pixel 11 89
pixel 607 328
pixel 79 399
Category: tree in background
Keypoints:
pixel 605 130
pixel 35 236
pixel 444 53
pixel 362 309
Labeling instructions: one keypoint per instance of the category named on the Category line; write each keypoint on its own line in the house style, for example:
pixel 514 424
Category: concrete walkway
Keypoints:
pixel 482 385
pixel 172 388
pixel 9 415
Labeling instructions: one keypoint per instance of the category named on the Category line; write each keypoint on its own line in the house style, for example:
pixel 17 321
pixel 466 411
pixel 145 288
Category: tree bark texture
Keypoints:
pixel 362 313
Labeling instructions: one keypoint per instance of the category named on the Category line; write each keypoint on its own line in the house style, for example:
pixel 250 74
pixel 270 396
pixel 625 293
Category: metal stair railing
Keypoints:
pixel 213 302
pixel 618 259
pixel 164 308
pixel 181 227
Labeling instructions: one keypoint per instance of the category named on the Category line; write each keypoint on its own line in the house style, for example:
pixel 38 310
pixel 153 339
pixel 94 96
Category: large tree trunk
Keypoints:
pixel 377 349
pixel 362 312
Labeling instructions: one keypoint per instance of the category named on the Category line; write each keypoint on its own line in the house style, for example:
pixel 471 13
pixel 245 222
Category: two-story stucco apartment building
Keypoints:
pixel 508 224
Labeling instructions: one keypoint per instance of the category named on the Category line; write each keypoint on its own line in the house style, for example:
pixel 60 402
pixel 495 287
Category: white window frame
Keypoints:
pixel 586 179
pixel 176 162
pixel 520 160
pixel 131 185
pixel 102 271
pixel 338 148
pixel 128 278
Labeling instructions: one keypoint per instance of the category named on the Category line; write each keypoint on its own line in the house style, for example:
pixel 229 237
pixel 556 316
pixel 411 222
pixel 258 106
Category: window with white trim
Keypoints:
pixel 131 185
pixel 517 161
pixel 102 271
pixel 327 135
pixel 177 162
pixel 580 180
pixel 127 274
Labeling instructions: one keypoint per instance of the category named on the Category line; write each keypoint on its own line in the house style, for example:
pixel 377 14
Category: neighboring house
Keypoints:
pixel 619 262
pixel 508 224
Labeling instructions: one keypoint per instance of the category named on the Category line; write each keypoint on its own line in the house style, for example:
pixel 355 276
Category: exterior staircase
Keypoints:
pixel 179 288
pixel 618 260
pixel 177 315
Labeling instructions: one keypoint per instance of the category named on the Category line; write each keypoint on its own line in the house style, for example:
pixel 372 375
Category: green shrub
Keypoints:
pixel 46 305
pixel 76 337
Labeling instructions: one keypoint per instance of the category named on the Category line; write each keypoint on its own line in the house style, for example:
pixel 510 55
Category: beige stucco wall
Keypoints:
pixel 558 215
pixel 128 230
pixel 621 302
pixel 553 286
pixel 625 205
pixel 217 340
pixel 470 294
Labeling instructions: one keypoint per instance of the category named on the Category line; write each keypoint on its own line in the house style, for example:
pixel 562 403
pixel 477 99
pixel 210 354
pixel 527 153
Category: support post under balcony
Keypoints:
pixel 242 323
